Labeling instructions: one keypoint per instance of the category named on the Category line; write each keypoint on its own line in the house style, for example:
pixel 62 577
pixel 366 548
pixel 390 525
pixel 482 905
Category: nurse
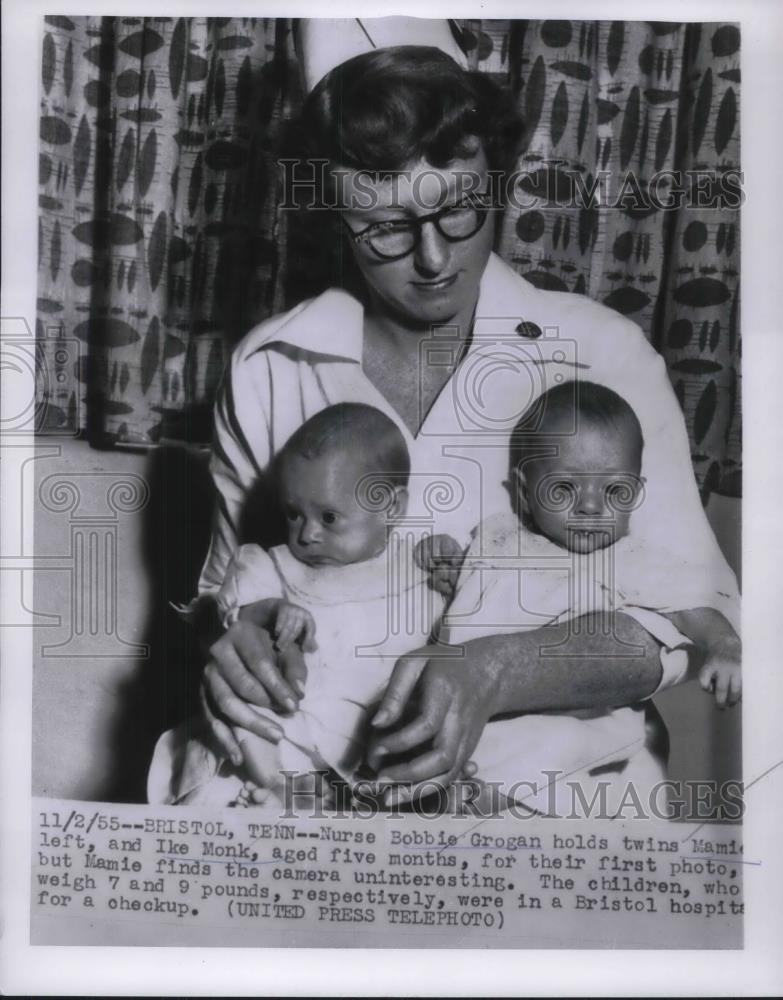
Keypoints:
pixel 453 345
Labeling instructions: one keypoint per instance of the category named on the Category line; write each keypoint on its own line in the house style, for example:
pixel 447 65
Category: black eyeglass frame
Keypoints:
pixel 482 207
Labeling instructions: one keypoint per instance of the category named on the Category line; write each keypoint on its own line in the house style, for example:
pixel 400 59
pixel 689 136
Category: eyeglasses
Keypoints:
pixel 395 239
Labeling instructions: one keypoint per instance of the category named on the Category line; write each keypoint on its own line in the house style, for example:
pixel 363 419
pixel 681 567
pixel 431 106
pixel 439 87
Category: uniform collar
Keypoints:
pixel 503 294
pixel 332 324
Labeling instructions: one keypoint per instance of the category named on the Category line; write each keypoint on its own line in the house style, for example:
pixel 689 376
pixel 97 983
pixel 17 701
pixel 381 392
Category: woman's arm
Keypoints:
pixel 235 464
pixel 242 664
pixel 596 660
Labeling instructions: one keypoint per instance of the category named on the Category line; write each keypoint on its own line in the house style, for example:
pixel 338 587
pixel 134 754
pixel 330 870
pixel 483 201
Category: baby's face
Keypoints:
pixel 582 498
pixel 327 525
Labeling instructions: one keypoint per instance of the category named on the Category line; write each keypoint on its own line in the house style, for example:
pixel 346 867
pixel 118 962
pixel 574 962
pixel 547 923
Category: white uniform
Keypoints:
pixel 296 364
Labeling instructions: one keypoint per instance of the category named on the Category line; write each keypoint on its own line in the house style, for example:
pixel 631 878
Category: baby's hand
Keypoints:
pixel 722 675
pixel 294 624
pixel 441 557
pixel 251 794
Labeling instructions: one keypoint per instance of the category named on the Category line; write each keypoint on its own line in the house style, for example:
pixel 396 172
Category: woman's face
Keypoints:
pixel 438 279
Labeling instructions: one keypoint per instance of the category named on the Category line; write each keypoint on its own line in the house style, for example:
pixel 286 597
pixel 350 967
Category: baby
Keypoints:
pixel 567 550
pixel 346 587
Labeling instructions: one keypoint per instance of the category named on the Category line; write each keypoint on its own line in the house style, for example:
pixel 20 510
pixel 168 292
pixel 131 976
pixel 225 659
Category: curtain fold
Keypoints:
pixel 646 115
pixel 161 241
pixel 159 187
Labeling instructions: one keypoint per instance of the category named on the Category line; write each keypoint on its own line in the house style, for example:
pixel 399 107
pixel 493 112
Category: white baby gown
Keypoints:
pixel 367 615
pixel 514 579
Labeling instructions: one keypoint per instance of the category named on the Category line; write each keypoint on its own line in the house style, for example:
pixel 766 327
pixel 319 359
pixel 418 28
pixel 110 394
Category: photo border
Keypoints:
pixel 756 970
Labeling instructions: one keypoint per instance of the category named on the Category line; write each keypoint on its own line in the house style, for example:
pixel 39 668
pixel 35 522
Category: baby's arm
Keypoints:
pixel 720 648
pixel 286 621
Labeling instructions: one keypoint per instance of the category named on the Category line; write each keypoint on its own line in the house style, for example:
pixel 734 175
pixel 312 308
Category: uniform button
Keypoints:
pixel 528 329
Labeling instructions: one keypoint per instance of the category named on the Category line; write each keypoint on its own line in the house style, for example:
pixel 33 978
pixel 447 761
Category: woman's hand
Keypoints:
pixel 243 667
pixel 444 695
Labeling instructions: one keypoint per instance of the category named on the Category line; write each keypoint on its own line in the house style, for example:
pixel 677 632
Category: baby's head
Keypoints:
pixel 576 458
pixel 343 479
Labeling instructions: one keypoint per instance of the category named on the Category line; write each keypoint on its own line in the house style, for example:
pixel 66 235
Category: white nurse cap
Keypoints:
pixel 324 43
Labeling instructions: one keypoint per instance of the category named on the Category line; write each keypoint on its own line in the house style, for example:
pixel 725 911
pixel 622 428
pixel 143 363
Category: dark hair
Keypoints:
pixel 354 427
pixel 383 109
pixel 585 403
pixel 378 112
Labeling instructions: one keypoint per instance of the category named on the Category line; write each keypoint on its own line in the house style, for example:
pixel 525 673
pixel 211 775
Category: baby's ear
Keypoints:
pixel 522 490
pixel 399 504
pixel 517 491
pixel 639 487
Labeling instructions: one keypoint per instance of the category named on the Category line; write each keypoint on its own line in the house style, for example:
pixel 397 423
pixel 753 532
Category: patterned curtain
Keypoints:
pixel 629 101
pixel 160 240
